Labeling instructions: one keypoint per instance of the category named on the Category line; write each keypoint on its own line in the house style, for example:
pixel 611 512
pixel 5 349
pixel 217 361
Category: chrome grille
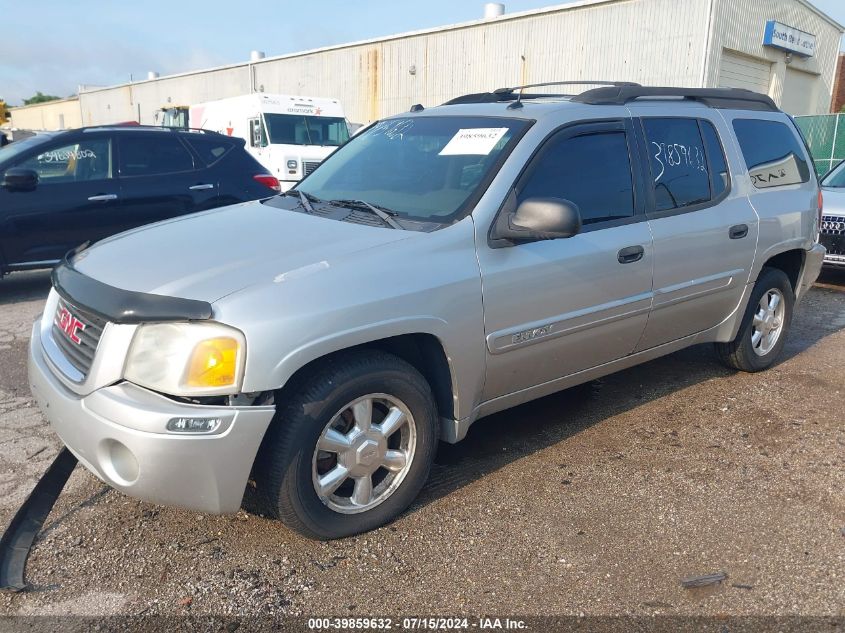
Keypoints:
pixel 308 166
pixel 832 225
pixel 80 354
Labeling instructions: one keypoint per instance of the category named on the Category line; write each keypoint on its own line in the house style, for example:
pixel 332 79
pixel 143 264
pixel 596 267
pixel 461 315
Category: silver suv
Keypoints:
pixel 311 349
pixel 833 220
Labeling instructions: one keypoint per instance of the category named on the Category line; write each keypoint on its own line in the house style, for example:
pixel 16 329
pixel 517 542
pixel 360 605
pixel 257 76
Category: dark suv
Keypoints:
pixel 58 190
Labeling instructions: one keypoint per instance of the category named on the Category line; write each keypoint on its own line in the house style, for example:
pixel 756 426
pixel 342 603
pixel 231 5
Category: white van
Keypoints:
pixel 289 135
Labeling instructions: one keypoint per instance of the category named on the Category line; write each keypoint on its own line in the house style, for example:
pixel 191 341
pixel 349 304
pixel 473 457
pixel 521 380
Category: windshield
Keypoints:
pixel 836 177
pixel 19 147
pixel 292 129
pixel 424 167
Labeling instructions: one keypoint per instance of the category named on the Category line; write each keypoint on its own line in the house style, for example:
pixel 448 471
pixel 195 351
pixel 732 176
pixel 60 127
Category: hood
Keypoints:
pixel 209 255
pixel 834 201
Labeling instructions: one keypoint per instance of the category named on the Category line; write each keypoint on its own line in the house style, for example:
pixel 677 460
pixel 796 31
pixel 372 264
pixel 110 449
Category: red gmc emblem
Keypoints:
pixel 70 325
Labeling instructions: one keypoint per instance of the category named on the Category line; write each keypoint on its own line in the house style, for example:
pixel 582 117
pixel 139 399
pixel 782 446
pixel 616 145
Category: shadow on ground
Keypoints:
pixel 505 437
pixel 25 286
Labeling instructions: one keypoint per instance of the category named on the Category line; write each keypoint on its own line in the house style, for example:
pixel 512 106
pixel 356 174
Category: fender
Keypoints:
pixel 459 364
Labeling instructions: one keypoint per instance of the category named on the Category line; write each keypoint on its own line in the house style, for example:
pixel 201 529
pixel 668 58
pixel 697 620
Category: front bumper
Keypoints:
pixel 835 245
pixel 119 433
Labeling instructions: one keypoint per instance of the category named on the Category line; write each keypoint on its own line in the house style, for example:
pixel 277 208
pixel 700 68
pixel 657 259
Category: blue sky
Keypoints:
pixel 54 45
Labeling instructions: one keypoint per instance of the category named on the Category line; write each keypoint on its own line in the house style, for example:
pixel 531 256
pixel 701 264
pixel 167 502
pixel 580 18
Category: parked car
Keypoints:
pixel 441 266
pixel 833 220
pixel 61 189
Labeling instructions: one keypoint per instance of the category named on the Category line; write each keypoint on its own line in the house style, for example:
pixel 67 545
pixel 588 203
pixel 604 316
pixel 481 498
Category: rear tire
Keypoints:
pixel 764 327
pixel 375 420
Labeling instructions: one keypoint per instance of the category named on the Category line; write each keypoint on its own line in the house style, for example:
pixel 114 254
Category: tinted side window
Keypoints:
pixel 718 166
pixel 154 154
pixel 772 153
pixel 210 150
pixel 90 159
pixel 678 163
pixel 592 170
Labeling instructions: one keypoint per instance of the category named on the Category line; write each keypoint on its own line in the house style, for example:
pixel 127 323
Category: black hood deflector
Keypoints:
pixel 123 306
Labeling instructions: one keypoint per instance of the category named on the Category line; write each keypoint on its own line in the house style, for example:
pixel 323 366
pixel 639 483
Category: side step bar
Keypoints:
pixel 28 521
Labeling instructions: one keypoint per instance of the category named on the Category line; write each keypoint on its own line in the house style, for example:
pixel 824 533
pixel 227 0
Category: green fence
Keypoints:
pixel 825 134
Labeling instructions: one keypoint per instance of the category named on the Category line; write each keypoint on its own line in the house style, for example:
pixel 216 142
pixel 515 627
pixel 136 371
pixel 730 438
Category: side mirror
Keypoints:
pixel 539 219
pixel 17 179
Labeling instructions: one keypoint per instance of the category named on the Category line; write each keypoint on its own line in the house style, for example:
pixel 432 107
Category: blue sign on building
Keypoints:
pixel 789 39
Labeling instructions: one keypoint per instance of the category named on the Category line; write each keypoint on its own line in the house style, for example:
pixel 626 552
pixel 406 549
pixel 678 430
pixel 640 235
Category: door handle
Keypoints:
pixel 738 231
pixel 201 187
pixel 630 254
pixel 102 197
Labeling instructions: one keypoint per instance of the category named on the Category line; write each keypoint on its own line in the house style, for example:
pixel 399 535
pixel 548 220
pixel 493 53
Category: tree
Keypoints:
pixel 39 98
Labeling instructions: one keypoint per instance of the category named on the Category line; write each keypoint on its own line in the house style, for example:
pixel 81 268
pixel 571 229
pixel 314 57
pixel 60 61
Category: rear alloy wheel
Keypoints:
pixel 350 447
pixel 762 334
pixel 767 324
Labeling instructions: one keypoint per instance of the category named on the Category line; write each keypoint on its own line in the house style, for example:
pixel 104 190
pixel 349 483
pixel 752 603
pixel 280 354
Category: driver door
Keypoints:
pixel 556 307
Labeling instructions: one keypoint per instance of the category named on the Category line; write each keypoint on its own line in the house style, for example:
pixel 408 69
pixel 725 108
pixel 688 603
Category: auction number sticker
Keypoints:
pixel 408 623
pixel 477 140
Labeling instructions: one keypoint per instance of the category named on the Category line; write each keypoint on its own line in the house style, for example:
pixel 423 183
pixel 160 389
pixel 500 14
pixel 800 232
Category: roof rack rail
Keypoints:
pixel 511 94
pixel 144 127
pixel 736 98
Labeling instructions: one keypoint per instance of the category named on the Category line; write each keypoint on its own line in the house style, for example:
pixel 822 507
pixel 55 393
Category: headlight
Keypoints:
pixel 187 359
pixel 292 164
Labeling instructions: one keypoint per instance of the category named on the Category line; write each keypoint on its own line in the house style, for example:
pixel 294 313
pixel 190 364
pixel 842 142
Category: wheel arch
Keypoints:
pixel 422 349
pixel 791 262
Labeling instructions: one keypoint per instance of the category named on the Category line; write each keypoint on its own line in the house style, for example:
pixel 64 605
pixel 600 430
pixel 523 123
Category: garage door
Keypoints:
pixel 799 92
pixel 741 71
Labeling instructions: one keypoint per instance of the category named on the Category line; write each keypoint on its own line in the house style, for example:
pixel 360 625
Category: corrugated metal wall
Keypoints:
pixel 738 25
pixel 650 41
pixel 658 42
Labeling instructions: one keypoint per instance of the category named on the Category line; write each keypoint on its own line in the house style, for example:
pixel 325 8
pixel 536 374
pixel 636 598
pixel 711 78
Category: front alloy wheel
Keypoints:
pixel 364 453
pixel 350 446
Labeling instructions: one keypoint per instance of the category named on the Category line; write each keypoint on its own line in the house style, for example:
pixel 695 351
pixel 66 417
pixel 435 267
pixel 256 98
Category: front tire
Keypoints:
pixel 350 447
pixel 762 334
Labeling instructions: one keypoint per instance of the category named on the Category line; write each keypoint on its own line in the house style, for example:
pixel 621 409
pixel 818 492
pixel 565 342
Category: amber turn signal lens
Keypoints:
pixel 214 363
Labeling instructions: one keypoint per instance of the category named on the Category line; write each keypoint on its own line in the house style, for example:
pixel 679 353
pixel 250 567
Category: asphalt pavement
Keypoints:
pixel 599 500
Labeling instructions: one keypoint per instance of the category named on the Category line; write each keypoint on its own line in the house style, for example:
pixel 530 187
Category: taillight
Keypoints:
pixel 820 202
pixel 271 182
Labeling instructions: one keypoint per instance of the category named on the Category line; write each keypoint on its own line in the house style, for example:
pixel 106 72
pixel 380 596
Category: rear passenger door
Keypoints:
pixel 704 227
pixel 160 178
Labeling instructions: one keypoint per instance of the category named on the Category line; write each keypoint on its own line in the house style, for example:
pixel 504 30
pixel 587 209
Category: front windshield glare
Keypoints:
pixel 423 167
pixel 835 178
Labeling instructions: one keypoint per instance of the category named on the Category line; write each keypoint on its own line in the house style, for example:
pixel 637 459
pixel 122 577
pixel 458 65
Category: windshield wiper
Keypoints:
pixel 384 213
pixel 305 199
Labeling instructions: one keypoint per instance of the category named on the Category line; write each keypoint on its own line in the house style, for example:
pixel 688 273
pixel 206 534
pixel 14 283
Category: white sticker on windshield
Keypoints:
pixel 476 140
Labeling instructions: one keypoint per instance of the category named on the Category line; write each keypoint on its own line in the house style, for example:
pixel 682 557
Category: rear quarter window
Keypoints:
pixel 210 150
pixel 772 153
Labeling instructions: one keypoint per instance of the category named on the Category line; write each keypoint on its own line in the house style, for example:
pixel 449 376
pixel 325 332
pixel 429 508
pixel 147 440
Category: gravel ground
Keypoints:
pixel 598 500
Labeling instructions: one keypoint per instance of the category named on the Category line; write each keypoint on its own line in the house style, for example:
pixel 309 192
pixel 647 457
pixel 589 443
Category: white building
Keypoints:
pixel 785 48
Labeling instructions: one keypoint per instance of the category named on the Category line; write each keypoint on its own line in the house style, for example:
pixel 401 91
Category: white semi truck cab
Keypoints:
pixel 289 135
